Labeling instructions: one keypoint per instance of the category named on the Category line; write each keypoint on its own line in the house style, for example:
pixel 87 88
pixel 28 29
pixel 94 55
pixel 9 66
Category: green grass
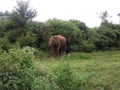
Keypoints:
pixel 101 70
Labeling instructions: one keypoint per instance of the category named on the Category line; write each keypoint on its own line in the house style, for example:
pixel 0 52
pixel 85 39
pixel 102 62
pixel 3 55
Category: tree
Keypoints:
pixel 37 29
pixel 119 16
pixel 13 25
pixel 22 13
pixel 79 24
pixel 19 16
pixel 104 17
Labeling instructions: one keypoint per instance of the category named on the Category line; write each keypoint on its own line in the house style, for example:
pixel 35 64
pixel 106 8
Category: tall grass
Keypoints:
pixel 100 70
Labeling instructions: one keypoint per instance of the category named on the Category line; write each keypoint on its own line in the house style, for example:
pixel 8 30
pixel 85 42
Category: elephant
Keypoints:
pixel 57 44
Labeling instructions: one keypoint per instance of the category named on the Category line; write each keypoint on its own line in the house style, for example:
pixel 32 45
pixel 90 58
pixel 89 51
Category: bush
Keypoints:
pixel 66 79
pixel 28 40
pixel 37 53
pixel 88 46
pixel 45 83
pixel 16 70
pixel 4 44
pixel 62 78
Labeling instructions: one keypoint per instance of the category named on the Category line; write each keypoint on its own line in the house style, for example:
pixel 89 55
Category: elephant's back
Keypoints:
pixel 57 39
pixel 62 39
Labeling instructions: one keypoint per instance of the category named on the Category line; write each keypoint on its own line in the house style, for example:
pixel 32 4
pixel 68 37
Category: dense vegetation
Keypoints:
pixel 17 29
pixel 24 62
pixel 21 70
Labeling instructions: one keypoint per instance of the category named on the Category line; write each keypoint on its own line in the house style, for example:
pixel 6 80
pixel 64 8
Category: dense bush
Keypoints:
pixel 16 70
pixel 5 44
pixel 62 78
pixel 28 40
pixel 108 36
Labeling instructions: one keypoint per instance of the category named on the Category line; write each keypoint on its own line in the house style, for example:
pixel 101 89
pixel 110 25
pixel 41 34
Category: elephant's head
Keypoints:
pixel 53 41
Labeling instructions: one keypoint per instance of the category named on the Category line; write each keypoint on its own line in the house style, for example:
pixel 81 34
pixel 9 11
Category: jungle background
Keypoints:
pixel 24 53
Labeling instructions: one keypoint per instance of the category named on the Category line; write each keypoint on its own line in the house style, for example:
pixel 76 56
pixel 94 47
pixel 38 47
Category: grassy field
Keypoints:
pixel 99 70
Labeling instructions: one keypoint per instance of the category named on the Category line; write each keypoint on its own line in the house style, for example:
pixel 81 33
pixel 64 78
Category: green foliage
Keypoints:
pixel 4 44
pixel 22 13
pixel 79 24
pixel 28 40
pixel 66 28
pixel 108 37
pixel 18 17
pixel 13 26
pixel 62 78
pixel 66 78
pixel 86 71
pixel 45 83
pixel 16 69
pixel 88 46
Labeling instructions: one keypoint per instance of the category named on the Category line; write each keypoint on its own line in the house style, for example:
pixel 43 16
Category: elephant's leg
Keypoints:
pixel 63 50
pixel 52 51
pixel 58 50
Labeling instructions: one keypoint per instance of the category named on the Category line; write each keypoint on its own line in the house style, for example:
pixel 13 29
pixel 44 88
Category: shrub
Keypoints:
pixel 62 78
pixel 66 79
pixel 16 70
pixel 28 40
pixel 4 44
pixel 45 83
pixel 89 47
pixel 38 53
